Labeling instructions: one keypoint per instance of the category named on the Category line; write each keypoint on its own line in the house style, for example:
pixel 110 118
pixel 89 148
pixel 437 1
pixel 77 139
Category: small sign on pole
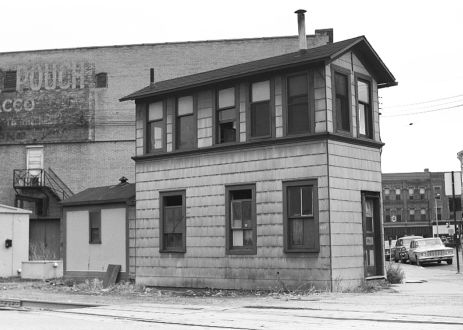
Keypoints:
pixel 448 183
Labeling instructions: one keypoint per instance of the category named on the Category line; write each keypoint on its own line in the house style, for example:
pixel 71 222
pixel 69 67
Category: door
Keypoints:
pixel 44 239
pixel 34 165
pixel 372 242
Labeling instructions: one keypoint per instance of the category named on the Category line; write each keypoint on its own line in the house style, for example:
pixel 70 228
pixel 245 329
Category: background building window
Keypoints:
pixel 101 80
pixel 95 227
pixel 241 219
pixel 186 128
pixel 397 194
pixel 437 192
pixel 388 215
pixel 155 136
pixel 412 214
pixel 387 193
pixel 298 104
pixel 301 216
pixel 9 81
pixel 226 115
pixel 423 214
pixel 342 102
pixel 439 213
pixel 260 109
pixel 410 193
pixel 422 193
pixel 173 224
pixel 364 108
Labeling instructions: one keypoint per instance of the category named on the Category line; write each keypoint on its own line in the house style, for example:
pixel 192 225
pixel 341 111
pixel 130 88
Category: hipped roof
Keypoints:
pixel 123 192
pixel 326 53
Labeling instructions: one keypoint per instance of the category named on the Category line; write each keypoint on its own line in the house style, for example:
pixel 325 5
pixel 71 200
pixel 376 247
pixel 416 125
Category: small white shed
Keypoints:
pixel 14 239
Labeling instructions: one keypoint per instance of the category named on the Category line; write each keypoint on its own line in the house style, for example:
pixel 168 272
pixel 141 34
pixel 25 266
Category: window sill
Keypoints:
pixel 302 250
pixel 242 252
pixel 172 251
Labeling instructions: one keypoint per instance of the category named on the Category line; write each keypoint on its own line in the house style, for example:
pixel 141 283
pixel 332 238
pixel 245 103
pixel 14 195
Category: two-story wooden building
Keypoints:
pixel 263 173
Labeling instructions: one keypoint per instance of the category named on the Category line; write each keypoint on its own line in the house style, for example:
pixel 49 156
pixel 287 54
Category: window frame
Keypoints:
pixel 216 117
pixel 249 103
pixel 345 72
pixel 10 88
pixel 229 249
pixel 177 132
pixel 162 248
pixel 91 225
pixel 398 196
pixel 369 125
pixel 315 215
pixel 101 77
pixel 148 149
pixel 310 101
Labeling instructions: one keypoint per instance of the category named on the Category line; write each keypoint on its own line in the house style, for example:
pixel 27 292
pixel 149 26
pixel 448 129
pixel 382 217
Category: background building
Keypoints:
pixel 62 128
pixel 413 201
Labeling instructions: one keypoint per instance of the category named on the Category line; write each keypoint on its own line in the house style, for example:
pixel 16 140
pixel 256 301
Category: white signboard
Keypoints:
pixel 448 183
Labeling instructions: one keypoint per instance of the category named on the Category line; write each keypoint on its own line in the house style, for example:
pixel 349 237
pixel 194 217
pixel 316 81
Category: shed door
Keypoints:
pixel 372 234
pixel 44 239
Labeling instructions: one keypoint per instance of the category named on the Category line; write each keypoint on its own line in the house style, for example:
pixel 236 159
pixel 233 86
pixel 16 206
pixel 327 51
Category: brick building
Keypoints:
pixel 413 201
pixel 263 173
pixel 62 129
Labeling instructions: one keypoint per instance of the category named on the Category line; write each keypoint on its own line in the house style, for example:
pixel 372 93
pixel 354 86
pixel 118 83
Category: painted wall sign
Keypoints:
pixel 50 102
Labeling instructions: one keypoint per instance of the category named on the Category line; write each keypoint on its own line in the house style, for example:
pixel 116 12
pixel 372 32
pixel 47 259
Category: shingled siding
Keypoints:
pixel 205 263
pixel 352 169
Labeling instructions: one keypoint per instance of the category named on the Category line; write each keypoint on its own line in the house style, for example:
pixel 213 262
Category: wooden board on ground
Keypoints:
pixel 111 275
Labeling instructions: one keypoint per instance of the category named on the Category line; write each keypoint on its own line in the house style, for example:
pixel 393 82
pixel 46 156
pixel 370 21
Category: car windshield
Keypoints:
pixel 430 242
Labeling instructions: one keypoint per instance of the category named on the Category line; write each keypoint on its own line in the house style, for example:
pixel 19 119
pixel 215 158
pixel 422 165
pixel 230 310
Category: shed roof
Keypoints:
pixel 324 53
pixel 120 193
pixel 12 210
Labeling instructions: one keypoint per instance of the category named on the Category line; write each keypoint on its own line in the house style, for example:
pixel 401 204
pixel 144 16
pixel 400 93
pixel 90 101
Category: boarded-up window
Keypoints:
pixel 102 80
pixel 95 227
pixel 173 225
pixel 241 220
pixel 9 82
pixel 301 216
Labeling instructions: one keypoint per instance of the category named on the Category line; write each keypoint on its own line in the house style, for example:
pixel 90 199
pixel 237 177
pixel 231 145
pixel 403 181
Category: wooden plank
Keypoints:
pixel 111 275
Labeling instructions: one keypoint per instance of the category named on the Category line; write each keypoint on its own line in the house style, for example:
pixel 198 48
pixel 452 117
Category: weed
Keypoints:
pixel 395 273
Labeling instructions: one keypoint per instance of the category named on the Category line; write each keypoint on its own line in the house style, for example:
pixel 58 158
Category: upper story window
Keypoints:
pixel 298 119
pixel 186 123
pixel 437 192
pixel 9 81
pixel 387 193
pixel 341 104
pixel 422 193
pixel 410 193
pixel 261 125
pixel 226 115
pixel 155 127
pixel 365 112
pixel 101 80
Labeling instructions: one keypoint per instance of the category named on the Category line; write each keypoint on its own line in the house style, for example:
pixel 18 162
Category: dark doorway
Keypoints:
pixel 44 239
pixel 372 234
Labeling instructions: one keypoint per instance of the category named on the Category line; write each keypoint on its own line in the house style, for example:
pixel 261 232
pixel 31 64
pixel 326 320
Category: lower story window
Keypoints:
pixel 172 224
pixel 95 227
pixel 241 219
pixel 300 203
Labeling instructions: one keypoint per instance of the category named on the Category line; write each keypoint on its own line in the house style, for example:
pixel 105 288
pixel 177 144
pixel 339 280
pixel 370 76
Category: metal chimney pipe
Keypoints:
pixel 301 28
pixel 151 75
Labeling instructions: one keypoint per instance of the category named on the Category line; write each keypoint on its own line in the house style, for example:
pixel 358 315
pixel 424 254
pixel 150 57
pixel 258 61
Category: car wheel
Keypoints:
pixel 449 261
pixel 439 261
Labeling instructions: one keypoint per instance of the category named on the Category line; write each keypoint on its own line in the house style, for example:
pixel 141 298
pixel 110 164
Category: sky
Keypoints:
pixel 419 41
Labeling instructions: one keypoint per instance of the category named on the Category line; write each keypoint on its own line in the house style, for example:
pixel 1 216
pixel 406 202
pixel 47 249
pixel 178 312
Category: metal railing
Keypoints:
pixel 38 178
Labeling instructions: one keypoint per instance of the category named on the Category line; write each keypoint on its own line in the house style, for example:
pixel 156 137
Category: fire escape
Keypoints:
pixel 28 182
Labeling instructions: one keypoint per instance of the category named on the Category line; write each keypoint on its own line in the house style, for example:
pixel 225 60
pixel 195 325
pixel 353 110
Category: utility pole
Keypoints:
pixel 456 238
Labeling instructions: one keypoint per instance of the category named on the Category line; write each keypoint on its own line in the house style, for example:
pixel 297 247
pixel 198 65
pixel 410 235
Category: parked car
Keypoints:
pixel 401 248
pixel 389 250
pixel 426 250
